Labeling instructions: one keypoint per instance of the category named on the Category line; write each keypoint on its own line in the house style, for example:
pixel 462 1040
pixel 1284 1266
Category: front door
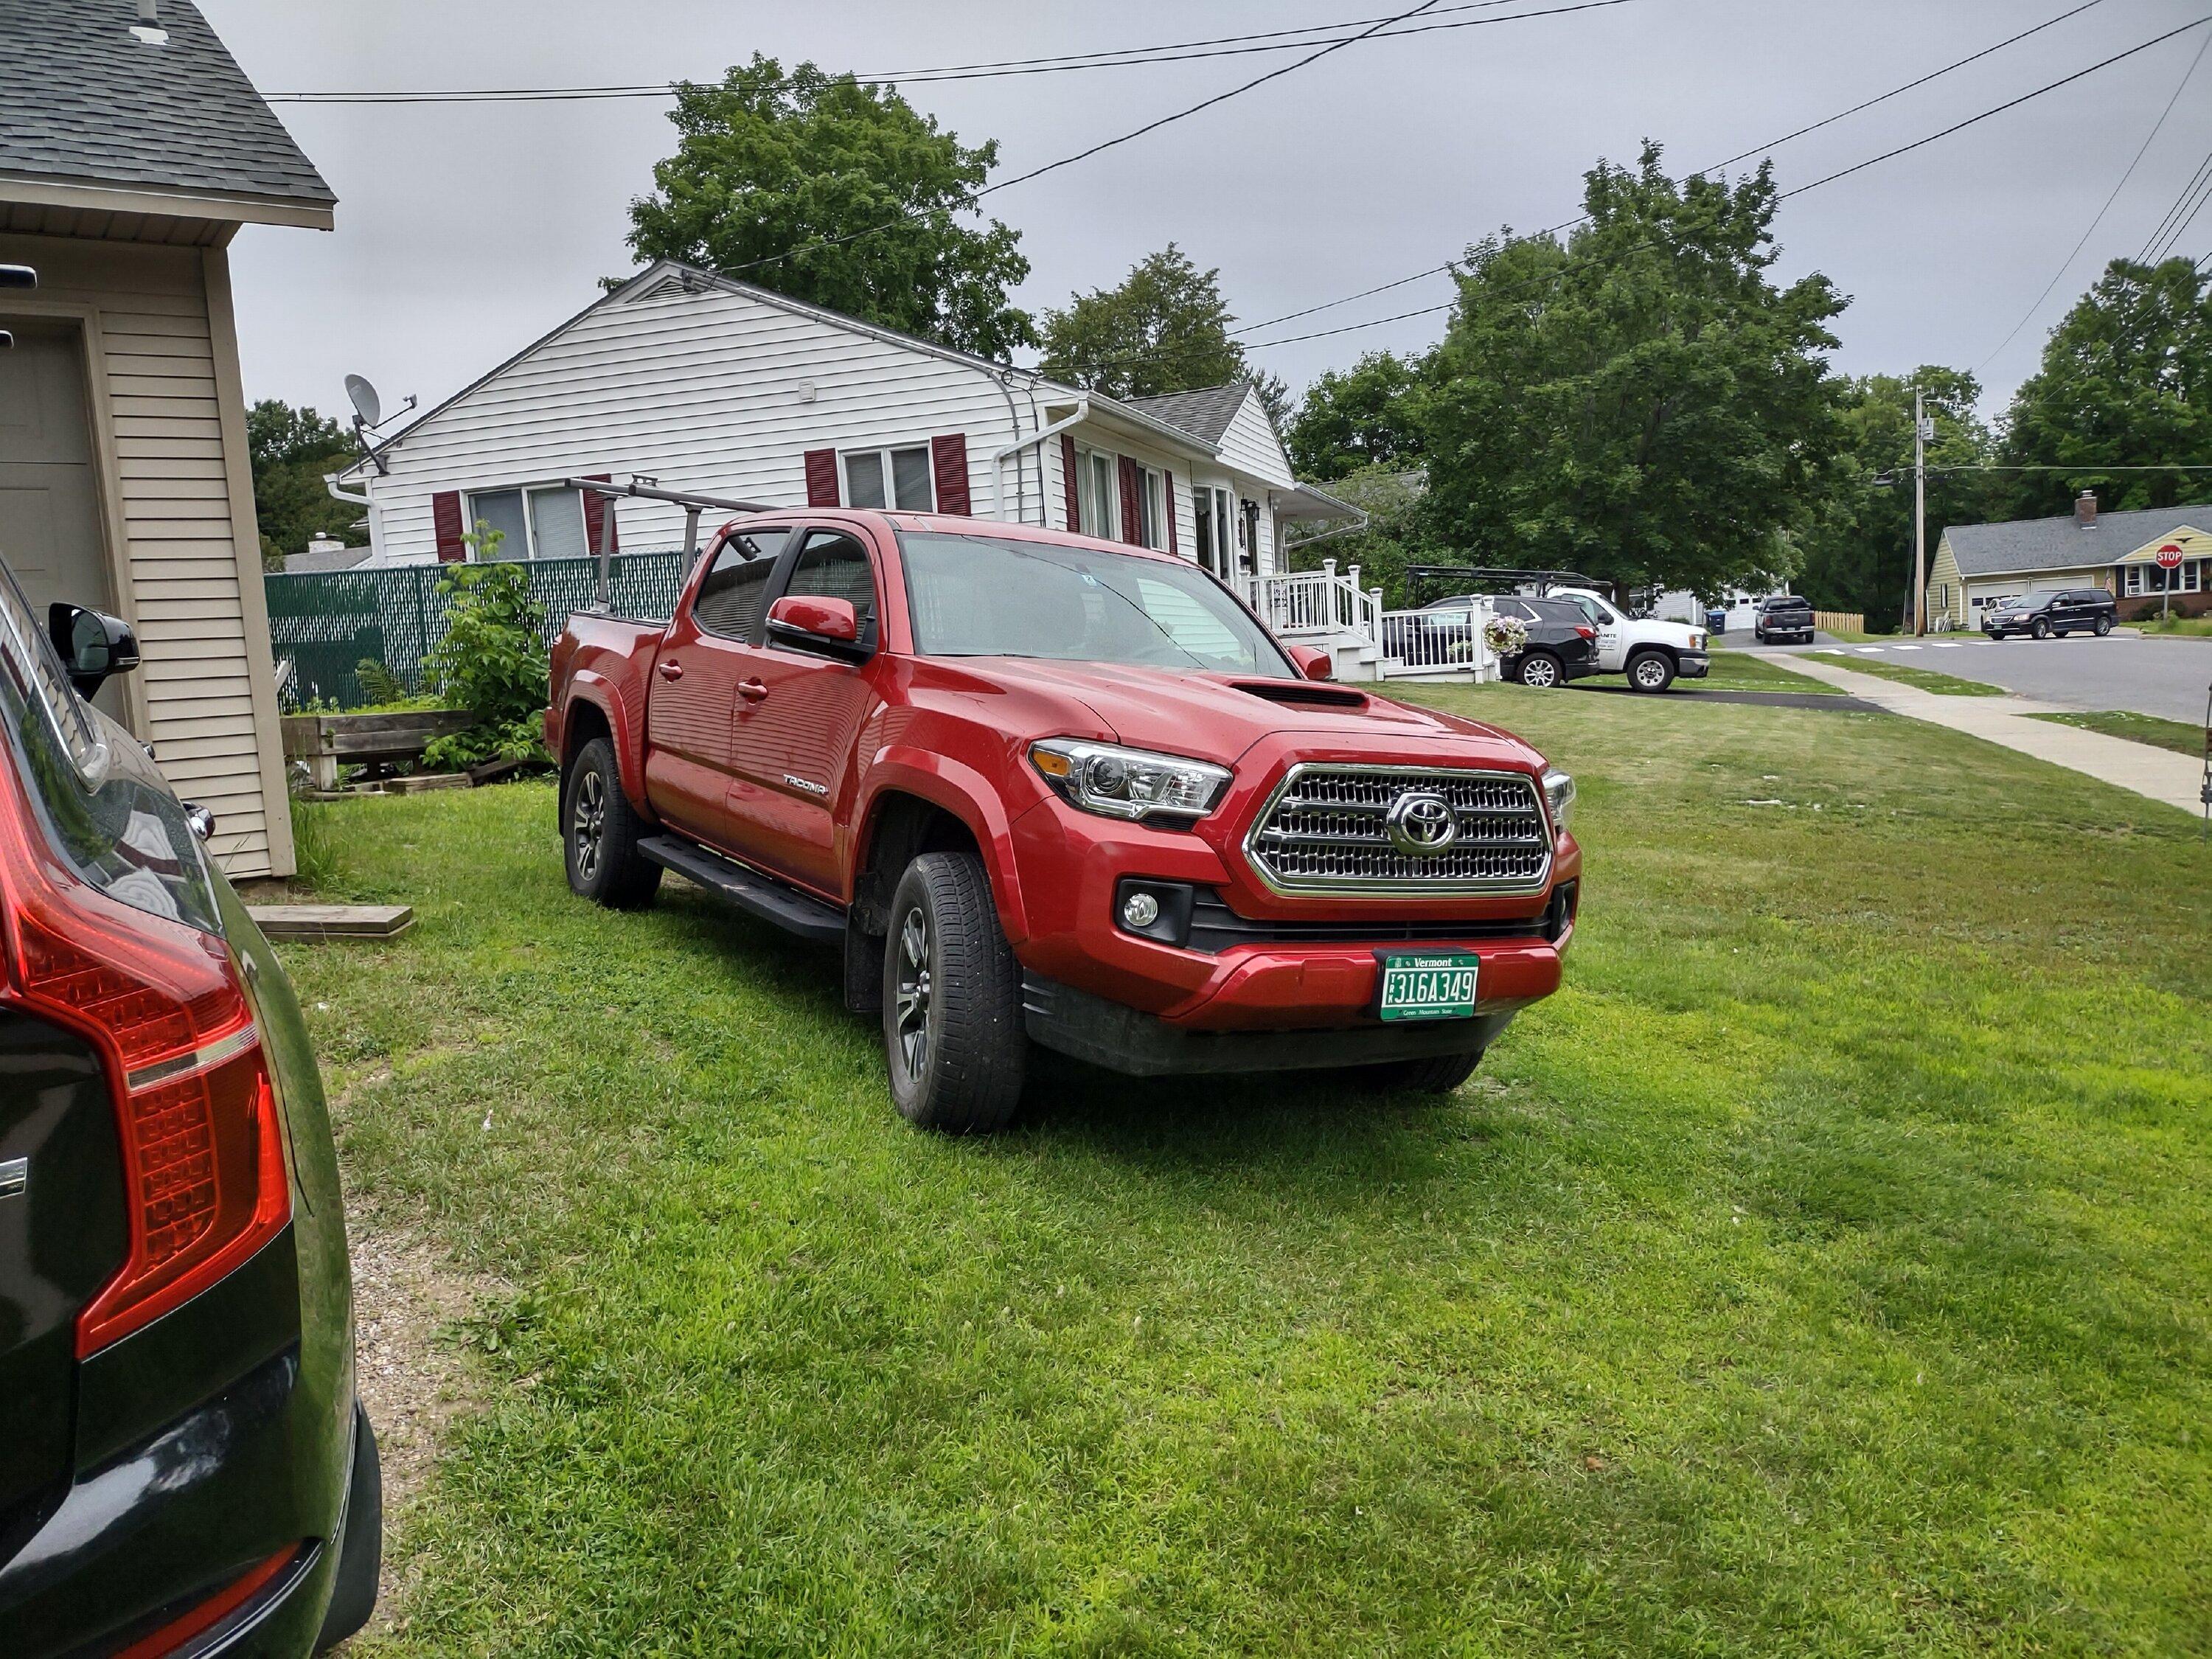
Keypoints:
pixel 798 720
pixel 692 698
pixel 50 529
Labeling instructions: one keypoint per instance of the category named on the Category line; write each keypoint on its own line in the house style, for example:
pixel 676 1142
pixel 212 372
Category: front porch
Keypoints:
pixel 1328 610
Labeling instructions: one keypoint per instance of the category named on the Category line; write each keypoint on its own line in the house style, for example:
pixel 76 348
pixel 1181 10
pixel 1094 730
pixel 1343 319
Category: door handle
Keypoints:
pixel 752 690
pixel 672 671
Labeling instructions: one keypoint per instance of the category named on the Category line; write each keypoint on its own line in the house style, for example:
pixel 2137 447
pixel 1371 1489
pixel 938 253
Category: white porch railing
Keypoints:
pixel 1439 643
pixel 1328 607
pixel 1317 602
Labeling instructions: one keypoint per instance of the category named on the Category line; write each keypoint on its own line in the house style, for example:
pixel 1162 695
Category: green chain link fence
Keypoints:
pixel 324 623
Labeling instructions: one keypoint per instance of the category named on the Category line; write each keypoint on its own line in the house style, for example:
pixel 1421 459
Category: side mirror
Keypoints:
pixel 91 645
pixel 810 623
pixel 200 819
pixel 1314 664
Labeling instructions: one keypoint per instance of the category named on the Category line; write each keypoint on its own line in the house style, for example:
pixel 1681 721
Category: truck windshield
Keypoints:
pixel 978 596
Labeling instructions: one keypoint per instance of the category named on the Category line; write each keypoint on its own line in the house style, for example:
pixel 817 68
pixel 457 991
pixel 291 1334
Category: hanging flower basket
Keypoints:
pixel 1505 635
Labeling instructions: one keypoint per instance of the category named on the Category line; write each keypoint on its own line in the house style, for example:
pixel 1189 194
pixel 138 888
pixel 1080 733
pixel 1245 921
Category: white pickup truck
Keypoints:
pixel 1652 653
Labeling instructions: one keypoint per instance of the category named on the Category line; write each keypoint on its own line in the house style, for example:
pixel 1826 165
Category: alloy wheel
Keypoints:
pixel 588 823
pixel 1540 673
pixel 912 996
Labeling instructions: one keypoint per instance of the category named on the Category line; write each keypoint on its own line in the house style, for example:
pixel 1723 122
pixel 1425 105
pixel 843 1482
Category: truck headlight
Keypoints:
pixel 1559 796
pixel 1128 783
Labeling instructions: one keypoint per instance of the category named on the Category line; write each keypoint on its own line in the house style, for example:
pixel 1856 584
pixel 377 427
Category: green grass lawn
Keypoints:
pixel 2178 735
pixel 1826 1269
pixel 1927 680
pixel 1738 670
pixel 2197 626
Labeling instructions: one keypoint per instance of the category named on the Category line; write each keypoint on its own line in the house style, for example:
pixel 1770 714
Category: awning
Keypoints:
pixel 1304 502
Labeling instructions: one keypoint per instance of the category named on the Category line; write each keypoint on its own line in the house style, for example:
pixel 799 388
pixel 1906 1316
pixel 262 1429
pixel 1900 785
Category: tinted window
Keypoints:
pixel 834 566
pixel 1557 611
pixel 1511 608
pixel 103 808
pixel 729 594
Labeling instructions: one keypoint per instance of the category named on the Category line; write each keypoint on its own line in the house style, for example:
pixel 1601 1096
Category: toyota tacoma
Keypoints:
pixel 1040 789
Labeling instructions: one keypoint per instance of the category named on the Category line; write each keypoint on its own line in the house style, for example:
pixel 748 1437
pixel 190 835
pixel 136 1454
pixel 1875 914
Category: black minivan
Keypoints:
pixel 2053 614
pixel 183 1467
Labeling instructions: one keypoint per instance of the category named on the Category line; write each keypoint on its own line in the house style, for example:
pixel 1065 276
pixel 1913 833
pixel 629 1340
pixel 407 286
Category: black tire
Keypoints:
pixel 1650 671
pixel 2104 627
pixel 1439 1074
pixel 1758 635
pixel 599 833
pixel 2038 629
pixel 360 1547
pixel 952 1000
pixel 1541 671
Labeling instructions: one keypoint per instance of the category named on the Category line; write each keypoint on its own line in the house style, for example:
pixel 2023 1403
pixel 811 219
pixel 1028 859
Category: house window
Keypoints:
pixel 898 479
pixel 1097 496
pixel 544 522
pixel 1151 532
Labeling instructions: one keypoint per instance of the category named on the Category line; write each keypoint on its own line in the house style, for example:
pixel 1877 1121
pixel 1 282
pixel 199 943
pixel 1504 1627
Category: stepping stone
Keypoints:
pixel 321 921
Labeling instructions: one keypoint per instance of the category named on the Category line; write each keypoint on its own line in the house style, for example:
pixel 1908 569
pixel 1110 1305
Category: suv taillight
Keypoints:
pixel 1588 633
pixel 197 1118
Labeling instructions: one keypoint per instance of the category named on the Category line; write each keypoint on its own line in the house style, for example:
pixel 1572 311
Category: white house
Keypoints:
pixel 705 384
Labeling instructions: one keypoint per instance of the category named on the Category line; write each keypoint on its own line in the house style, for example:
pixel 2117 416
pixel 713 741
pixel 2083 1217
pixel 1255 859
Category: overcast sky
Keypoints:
pixel 464 232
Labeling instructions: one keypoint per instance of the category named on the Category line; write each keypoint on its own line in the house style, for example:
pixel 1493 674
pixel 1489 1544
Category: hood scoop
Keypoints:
pixel 1304 694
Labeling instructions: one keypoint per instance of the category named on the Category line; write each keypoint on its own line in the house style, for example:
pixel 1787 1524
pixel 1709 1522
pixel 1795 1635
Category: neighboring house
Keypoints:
pixel 1976 565
pixel 712 385
pixel 130 154
pixel 324 553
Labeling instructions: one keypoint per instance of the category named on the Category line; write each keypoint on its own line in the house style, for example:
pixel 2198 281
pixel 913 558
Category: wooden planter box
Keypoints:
pixel 327 742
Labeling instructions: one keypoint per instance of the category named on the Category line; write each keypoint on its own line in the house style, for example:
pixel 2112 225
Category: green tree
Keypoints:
pixel 1166 328
pixel 2126 380
pixel 1641 402
pixel 493 661
pixel 1398 532
pixel 1857 545
pixel 864 194
pixel 289 450
pixel 1365 416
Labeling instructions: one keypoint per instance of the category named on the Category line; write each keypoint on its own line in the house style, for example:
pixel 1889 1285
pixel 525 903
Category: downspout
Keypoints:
pixel 999 460
pixel 330 484
pixel 1014 427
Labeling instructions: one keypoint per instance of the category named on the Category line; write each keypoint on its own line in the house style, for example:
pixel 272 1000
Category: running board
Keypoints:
pixel 751 891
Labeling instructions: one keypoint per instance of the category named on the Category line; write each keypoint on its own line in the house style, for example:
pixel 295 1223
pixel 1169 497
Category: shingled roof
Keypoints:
pixel 2025 544
pixel 1204 414
pixel 90 103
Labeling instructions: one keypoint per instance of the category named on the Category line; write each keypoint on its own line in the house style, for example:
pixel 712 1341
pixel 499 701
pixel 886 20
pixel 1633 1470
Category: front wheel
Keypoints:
pixel 952 1000
pixel 1541 670
pixel 2041 630
pixel 601 830
pixel 1650 671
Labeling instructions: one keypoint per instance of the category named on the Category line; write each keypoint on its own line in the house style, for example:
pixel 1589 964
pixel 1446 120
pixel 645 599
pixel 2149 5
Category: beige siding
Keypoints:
pixel 179 515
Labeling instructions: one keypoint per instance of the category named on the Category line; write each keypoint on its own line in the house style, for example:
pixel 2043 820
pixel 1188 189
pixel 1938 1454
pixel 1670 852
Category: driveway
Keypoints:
pixel 2167 677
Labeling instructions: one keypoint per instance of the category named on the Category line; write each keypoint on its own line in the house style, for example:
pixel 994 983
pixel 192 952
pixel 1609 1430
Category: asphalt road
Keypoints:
pixel 2165 677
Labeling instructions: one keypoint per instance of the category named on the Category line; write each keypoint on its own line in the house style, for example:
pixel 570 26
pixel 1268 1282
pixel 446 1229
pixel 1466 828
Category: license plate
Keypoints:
pixel 1434 985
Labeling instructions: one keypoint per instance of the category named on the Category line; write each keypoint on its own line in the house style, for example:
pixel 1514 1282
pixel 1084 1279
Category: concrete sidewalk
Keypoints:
pixel 2160 774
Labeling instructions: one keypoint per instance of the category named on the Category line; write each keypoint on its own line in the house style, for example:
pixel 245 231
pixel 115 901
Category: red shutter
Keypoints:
pixel 445 524
pixel 822 477
pixel 948 461
pixel 1167 495
pixel 1133 511
pixel 599 518
pixel 1067 481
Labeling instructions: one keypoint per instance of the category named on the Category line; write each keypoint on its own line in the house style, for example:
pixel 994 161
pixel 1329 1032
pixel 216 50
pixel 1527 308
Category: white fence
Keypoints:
pixel 1437 642
pixel 1329 608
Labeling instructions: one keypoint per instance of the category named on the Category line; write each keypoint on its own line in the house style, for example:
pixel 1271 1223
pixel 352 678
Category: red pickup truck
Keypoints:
pixel 1043 788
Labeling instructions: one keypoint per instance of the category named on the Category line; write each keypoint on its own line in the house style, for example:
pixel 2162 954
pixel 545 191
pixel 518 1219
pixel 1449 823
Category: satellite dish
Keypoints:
pixel 365 402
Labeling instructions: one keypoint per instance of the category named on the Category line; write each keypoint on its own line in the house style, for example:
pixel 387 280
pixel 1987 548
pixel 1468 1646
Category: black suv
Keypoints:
pixel 183 1467
pixel 1783 616
pixel 1562 644
pixel 2058 613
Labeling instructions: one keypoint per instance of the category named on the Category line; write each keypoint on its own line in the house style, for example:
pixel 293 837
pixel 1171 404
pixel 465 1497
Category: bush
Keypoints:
pixel 492 664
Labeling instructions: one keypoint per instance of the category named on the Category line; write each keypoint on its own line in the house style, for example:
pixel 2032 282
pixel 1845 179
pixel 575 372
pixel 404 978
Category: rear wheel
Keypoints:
pixel 952 1000
pixel 2103 626
pixel 1650 671
pixel 601 830
pixel 1438 1074
pixel 1540 670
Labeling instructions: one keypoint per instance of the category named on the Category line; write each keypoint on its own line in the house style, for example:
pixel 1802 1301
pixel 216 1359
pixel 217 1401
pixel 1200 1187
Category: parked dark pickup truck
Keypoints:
pixel 1043 788
pixel 1785 618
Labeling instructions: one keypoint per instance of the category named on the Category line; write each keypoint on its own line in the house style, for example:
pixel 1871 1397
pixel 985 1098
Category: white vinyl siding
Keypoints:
pixel 155 372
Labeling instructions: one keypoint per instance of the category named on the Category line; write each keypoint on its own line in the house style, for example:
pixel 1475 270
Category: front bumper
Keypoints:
pixel 1692 664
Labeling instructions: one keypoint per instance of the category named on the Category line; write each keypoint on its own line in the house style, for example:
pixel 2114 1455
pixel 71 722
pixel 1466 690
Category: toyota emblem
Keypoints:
pixel 1421 824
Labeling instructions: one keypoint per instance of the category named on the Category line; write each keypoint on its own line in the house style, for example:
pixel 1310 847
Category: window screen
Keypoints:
pixel 895 478
pixel 499 512
pixel 834 566
pixel 729 594
pixel 556 525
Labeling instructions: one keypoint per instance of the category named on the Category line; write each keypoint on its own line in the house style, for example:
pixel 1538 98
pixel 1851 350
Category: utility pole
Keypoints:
pixel 1919 515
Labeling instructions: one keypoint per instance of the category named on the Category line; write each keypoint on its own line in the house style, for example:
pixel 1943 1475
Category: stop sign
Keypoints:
pixel 2169 556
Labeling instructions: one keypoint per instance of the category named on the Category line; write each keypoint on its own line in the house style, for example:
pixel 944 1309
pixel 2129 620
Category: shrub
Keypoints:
pixel 379 684
pixel 492 664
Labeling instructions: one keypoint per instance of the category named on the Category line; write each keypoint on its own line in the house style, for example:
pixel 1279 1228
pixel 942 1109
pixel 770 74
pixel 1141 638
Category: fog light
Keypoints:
pixel 1140 910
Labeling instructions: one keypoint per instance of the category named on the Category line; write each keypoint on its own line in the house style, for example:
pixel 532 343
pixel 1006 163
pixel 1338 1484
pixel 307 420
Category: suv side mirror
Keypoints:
pixel 1314 664
pixel 811 623
pixel 91 644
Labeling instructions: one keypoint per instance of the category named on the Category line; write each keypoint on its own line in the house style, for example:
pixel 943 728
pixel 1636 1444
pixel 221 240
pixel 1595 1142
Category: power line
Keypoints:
pixel 2158 125
pixel 1771 144
pixel 1117 57
pixel 2171 226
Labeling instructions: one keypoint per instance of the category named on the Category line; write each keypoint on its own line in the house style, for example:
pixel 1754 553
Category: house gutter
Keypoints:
pixel 330 484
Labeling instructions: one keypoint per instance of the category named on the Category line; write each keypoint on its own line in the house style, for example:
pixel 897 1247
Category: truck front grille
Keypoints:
pixel 1326 830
